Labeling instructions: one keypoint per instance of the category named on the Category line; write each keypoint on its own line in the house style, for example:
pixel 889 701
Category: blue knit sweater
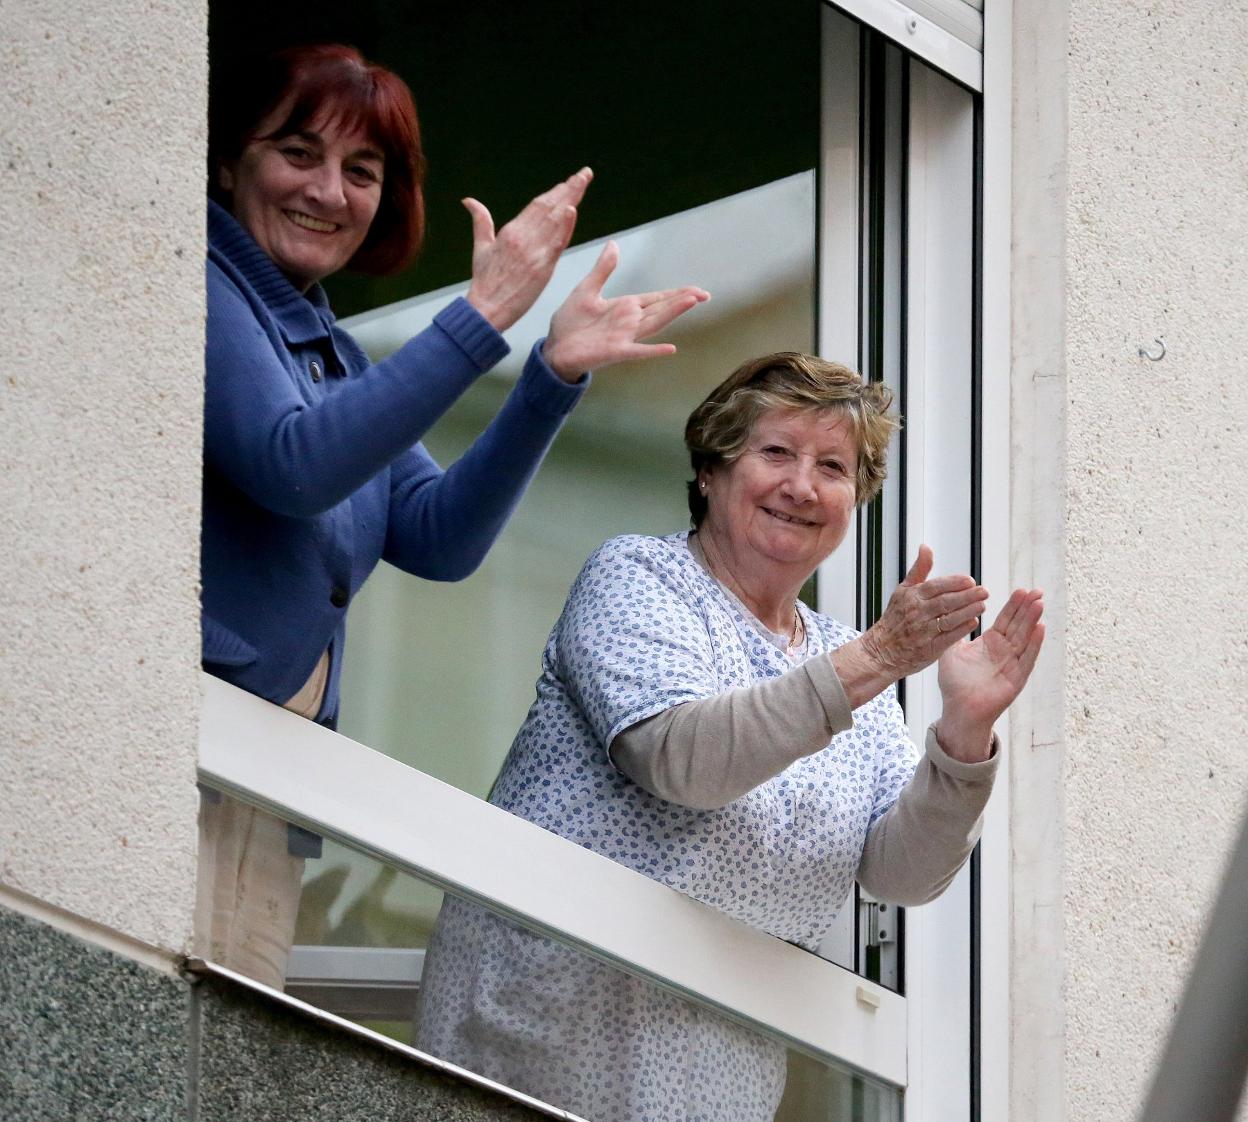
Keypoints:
pixel 313 470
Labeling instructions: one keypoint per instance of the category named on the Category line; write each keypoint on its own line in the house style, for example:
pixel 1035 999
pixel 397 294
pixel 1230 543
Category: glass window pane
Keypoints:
pixel 441 675
pixel 554 1022
pixel 672 105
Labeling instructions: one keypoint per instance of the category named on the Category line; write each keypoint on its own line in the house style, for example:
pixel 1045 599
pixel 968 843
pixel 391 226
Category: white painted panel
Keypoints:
pixel 940 288
pixel 309 775
pixel 995 498
pixel 838 268
pixel 963 20
pixel 838 271
pixel 894 311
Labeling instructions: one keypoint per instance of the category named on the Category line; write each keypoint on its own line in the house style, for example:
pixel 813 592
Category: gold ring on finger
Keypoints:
pixel 940 624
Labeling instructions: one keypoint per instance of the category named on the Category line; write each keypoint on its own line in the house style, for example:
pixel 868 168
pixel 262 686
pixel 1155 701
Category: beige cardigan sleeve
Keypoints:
pixel 705 754
pixel 917 846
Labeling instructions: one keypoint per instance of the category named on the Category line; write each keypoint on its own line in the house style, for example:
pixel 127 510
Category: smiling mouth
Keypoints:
pixel 307 222
pixel 790 518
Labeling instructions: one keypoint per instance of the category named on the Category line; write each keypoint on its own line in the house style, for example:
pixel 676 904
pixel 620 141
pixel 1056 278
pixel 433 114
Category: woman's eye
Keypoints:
pixel 775 453
pixel 832 467
pixel 296 152
pixel 363 175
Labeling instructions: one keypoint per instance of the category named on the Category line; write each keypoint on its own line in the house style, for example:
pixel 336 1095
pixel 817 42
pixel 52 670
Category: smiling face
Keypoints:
pixel 786 503
pixel 308 198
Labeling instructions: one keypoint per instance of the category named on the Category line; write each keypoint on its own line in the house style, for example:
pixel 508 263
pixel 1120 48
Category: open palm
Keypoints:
pixel 981 677
pixel 590 331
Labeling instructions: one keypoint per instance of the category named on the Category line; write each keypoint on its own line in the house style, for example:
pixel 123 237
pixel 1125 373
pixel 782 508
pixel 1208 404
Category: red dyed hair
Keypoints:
pixel 331 83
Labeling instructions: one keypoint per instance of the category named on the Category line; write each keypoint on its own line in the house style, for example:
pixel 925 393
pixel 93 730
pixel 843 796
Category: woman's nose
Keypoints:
pixel 799 480
pixel 326 187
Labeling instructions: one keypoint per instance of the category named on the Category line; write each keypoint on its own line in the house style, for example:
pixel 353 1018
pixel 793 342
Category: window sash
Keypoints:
pixel 318 779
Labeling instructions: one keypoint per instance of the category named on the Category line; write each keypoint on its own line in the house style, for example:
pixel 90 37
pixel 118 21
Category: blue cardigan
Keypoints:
pixel 313 470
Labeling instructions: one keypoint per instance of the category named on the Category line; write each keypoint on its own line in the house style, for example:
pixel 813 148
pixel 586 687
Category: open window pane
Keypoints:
pixel 440 675
pixel 305 774
pixel 467 986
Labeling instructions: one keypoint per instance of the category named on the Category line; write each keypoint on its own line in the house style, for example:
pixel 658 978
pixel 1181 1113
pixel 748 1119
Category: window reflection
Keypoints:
pixel 441 675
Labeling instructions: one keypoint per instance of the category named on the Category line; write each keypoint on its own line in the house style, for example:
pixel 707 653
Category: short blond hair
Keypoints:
pixel 717 430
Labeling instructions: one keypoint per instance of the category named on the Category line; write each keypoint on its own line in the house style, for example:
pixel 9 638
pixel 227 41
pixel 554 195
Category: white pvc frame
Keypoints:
pixel 319 779
pixel 838 272
pixel 941 185
pixel 940 317
pixel 921 37
pixel 997 573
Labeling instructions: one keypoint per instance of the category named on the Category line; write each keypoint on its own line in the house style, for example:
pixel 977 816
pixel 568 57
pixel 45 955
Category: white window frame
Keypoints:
pixel 923 27
pixel 937 935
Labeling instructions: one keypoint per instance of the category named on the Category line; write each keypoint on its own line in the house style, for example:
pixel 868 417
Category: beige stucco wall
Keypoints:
pixel 101 215
pixel 1130 169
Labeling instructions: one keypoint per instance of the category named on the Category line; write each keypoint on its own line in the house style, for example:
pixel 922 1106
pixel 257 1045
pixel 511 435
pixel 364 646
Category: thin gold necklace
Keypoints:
pixel 699 546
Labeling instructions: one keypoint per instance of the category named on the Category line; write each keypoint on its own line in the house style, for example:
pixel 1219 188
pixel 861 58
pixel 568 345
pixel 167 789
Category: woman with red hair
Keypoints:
pixel 313 467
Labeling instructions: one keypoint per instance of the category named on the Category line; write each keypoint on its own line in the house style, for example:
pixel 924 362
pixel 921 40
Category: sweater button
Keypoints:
pixel 339 598
pixel 315 368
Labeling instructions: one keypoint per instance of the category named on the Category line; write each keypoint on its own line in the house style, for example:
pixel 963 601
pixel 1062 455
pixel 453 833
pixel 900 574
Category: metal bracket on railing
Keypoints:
pixel 877 931
pixel 879 923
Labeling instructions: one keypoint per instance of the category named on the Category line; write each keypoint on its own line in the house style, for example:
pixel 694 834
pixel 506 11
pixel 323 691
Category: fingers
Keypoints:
pixel 658 315
pixel 1022 611
pixel 571 190
pixel 1026 620
pixel 482 222
pixel 639 352
pixel 577 184
pixel 647 299
pixel 597 277
pixel 565 223
pixel 1009 610
pixel 921 567
pixel 963 618
pixel 1032 651
pixel 549 219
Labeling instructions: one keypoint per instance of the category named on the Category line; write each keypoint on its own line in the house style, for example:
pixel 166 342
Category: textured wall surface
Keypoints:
pixel 257 1060
pixel 88 1035
pixel 1154 221
pixel 102 142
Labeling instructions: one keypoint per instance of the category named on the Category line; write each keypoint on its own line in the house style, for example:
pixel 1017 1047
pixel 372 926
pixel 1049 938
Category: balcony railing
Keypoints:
pixel 313 777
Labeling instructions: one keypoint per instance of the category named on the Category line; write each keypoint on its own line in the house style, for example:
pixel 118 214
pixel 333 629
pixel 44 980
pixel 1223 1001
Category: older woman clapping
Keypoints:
pixel 696 722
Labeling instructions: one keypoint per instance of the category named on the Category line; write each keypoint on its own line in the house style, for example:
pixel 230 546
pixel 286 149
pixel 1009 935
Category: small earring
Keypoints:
pixel 703 486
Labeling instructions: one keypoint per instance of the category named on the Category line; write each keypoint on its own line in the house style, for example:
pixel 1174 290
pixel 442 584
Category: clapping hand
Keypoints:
pixel 979 679
pixel 510 268
pixel 590 331
pixel 924 616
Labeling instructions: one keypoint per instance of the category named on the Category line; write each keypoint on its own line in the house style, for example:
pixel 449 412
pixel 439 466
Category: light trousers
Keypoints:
pixel 247 895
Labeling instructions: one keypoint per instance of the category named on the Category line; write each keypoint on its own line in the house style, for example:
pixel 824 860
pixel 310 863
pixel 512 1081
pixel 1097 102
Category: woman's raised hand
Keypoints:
pixel 924 618
pixel 978 680
pixel 590 331
pixel 510 268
